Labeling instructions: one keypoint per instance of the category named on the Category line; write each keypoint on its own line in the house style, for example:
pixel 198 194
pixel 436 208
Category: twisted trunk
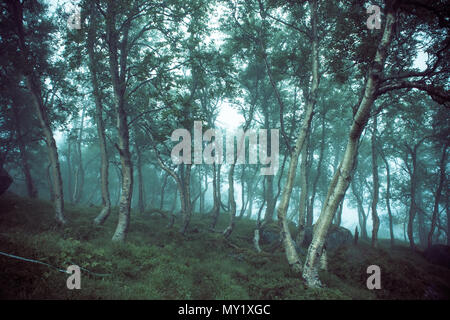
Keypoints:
pixel 288 244
pixel 342 177
pixel 104 162
pixel 118 77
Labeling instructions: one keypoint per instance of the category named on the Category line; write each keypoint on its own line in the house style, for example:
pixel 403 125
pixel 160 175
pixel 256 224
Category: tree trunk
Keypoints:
pixel 250 208
pixel 437 197
pixel 31 189
pixel 203 192
pixel 288 244
pixel 104 162
pixel 216 194
pixel 412 207
pixel 310 214
pixel 342 177
pixel 163 188
pixel 141 193
pixel 268 215
pixel 50 183
pixel 303 196
pixel 118 77
pixel 69 169
pixel 376 186
pixel 185 196
pixel 339 213
pixel 243 200
pixel 257 231
pixel 420 215
pixel 231 202
pixel 361 213
pixel 33 85
pixel 388 198
pixel 79 174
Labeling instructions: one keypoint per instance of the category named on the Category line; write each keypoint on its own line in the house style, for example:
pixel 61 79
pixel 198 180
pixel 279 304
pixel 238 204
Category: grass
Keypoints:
pixel 159 263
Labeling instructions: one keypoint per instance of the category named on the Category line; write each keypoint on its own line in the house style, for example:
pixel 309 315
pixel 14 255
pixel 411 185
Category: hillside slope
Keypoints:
pixel 158 263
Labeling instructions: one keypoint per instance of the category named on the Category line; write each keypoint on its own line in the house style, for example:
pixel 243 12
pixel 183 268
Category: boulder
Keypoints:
pixel 270 232
pixel 337 237
pixel 5 180
pixel 438 254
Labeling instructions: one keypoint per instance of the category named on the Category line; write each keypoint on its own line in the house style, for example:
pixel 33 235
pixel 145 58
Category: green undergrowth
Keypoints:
pixel 157 262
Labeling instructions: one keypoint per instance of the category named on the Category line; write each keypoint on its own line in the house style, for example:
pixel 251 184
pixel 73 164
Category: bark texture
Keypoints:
pixel 343 175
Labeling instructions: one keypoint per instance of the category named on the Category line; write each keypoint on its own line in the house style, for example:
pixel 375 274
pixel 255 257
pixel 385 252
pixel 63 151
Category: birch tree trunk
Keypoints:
pixel 310 213
pixel 104 162
pixel 288 244
pixel 342 177
pixel 339 213
pixel 361 213
pixel 231 202
pixel 118 77
pixel 69 169
pixel 303 197
pixel 376 186
pixel 163 188
pixel 141 193
pixel 79 174
pixel 216 194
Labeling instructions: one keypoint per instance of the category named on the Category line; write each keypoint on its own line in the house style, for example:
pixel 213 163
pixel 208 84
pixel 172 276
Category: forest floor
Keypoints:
pixel 157 262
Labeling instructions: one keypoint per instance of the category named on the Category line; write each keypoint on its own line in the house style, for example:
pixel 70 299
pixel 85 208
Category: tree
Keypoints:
pixel 28 65
pixel 104 161
pixel 375 218
pixel 342 177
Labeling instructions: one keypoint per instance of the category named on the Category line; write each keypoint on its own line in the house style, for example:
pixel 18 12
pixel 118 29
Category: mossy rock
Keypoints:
pixel 270 232
pixel 337 236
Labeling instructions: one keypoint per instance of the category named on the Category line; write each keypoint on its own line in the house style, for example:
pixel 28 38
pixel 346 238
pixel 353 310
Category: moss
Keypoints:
pixel 160 263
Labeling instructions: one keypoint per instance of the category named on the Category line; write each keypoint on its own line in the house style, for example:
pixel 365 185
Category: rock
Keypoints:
pixel 5 180
pixel 270 233
pixel 438 254
pixel 337 237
